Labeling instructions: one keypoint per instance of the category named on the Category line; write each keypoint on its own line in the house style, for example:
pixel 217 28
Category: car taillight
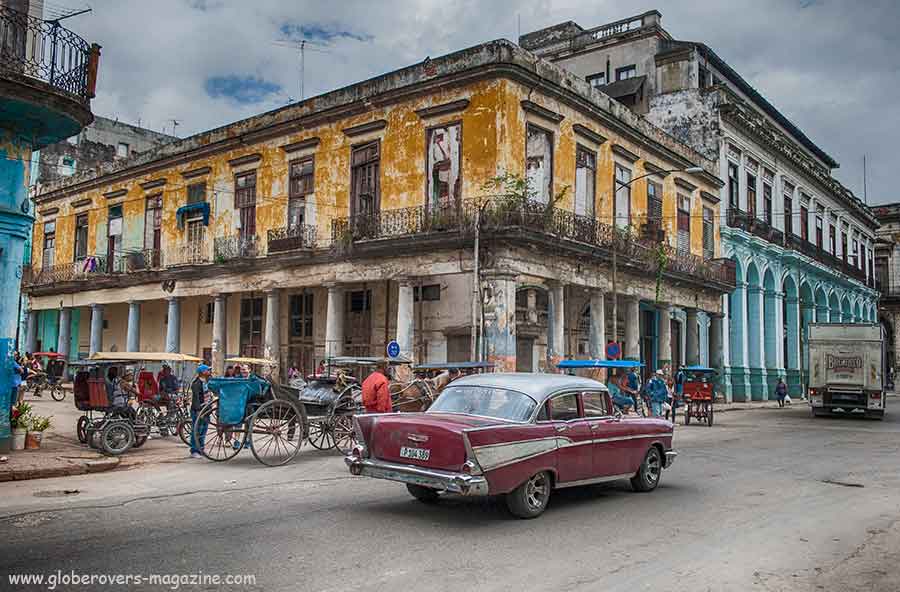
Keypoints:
pixel 812 392
pixel 875 395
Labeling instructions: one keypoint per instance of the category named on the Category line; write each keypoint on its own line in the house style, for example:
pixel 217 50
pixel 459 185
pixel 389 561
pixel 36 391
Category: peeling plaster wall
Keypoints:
pixel 691 116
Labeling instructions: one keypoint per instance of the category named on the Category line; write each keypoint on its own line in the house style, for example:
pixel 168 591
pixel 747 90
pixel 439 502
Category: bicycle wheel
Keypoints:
pixel 57 392
pixel 277 433
pixel 81 429
pixel 220 441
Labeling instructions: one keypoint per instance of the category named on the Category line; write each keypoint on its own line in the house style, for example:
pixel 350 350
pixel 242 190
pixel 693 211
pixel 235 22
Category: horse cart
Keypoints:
pixel 699 394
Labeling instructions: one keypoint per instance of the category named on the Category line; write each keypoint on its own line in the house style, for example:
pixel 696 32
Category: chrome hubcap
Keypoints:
pixel 536 491
pixel 652 467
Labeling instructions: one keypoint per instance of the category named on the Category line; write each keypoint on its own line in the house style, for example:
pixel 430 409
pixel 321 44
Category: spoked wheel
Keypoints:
pixel 220 441
pixel 321 434
pixel 57 392
pixel 688 409
pixel 344 435
pixel 276 432
pixel 116 437
pixel 81 429
pixel 184 429
pixel 709 414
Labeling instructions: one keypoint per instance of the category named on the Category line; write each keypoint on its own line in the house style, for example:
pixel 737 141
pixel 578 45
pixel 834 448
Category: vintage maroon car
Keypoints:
pixel 521 435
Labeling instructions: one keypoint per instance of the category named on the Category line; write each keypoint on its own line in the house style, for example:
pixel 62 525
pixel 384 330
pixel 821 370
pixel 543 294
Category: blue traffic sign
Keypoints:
pixel 393 349
pixel 612 350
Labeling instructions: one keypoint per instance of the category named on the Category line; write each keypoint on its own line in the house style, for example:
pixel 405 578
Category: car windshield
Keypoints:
pixel 485 401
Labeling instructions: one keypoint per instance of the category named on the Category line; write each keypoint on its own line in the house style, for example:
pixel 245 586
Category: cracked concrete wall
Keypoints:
pixel 691 116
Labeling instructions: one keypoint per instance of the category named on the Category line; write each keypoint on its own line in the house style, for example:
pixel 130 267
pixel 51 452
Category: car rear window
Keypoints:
pixel 484 401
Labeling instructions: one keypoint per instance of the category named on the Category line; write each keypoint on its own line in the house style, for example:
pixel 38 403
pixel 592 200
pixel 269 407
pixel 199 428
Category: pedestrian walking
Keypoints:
pixel 658 393
pixel 199 397
pixel 781 392
pixel 376 394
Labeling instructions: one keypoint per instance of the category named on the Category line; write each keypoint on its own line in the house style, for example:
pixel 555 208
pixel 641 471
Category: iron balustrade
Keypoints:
pixel 140 260
pixel 46 51
pixel 238 246
pixel 527 218
pixel 292 238
pixel 193 252
pixel 83 269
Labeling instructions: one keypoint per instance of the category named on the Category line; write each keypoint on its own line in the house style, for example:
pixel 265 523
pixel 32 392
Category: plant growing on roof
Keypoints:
pixel 514 194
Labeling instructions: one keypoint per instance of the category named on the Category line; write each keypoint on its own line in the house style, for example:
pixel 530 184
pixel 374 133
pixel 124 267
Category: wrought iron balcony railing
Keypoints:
pixel 83 269
pixel 140 260
pixel 44 50
pixel 292 238
pixel 239 246
pixel 194 252
pixel 525 218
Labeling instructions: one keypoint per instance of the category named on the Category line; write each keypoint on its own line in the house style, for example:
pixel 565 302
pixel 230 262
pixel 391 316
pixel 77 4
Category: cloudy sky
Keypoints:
pixel 830 65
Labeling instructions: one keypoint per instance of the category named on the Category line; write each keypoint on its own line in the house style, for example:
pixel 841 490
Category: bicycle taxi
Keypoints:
pixel 51 376
pixel 699 393
pixel 594 369
pixel 253 412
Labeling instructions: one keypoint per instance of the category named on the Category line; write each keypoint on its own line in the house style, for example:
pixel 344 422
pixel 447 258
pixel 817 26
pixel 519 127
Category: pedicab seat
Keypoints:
pixel 234 394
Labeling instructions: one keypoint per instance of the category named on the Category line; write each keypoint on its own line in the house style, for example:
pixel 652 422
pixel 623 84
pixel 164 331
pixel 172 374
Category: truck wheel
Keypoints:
pixel 647 477
pixel 425 495
pixel 530 499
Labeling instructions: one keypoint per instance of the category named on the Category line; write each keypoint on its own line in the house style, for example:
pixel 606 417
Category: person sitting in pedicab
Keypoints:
pixel 376 394
pixel 123 391
pixel 621 400
pixel 168 387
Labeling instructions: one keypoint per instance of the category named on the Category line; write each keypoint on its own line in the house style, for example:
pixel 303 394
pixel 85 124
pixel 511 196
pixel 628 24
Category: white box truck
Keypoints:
pixel 846 368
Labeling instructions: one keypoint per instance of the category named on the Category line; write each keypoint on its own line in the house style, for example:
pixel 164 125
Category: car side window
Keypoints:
pixel 564 407
pixel 543 414
pixel 594 404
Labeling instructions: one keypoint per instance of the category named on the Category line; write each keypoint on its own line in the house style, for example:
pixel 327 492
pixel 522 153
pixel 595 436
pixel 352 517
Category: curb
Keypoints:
pixel 81 468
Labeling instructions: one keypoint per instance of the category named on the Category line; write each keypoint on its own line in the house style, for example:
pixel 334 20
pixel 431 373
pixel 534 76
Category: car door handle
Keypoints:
pixel 561 428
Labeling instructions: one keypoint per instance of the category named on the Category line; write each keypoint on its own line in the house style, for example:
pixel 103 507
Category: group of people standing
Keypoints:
pixel 663 393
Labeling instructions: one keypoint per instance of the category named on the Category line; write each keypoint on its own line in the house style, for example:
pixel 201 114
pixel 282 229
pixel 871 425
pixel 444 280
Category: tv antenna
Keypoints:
pixel 302 45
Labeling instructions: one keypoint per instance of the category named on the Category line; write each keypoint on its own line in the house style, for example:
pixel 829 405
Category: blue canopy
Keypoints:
pixel 194 208
pixel 599 364
pixel 698 369
pixel 454 366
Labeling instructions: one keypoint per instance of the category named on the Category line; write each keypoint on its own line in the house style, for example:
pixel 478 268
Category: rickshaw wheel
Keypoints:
pixel 219 441
pixel 688 409
pixel 321 434
pixel 81 429
pixel 344 435
pixel 57 392
pixel 277 432
pixel 184 430
pixel 709 414
pixel 116 437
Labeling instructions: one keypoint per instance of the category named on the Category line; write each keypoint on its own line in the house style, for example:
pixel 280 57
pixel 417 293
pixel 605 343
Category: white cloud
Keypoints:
pixel 831 66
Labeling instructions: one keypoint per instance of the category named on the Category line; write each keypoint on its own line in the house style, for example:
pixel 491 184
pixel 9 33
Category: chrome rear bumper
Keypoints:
pixel 671 455
pixel 436 479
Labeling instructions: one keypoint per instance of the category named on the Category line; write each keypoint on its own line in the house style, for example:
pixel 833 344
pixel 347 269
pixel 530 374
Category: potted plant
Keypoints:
pixel 36 428
pixel 19 423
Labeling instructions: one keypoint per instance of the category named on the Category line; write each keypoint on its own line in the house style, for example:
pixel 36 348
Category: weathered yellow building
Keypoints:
pixel 342 222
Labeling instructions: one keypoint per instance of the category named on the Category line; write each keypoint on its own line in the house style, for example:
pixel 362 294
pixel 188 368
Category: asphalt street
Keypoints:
pixel 765 500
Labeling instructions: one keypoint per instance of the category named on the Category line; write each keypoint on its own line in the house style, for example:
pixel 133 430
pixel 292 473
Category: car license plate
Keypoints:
pixel 415 453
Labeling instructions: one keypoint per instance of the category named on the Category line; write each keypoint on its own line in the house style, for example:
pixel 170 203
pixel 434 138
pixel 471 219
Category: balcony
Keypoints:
pixel 743 221
pixel 83 269
pixel 139 260
pixel 194 252
pixel 239 246
pixel 292 238
pixel 43 50
pixel 531 220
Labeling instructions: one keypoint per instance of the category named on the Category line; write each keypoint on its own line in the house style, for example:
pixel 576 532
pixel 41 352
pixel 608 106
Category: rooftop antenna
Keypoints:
pixel 518 26
pixel 865 193
pixel 301 45
pixel 175 123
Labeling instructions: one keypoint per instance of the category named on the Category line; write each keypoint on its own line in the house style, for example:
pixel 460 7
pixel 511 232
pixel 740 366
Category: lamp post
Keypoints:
pixel 615 230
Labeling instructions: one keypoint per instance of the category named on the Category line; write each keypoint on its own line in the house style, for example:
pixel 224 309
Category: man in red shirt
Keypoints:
pixel 376 396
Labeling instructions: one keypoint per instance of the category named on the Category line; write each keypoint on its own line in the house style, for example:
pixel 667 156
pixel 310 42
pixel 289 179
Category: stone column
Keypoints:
pixel 65 326
pixel 30 331
pixel 632 328
pixel 792 322
pixel 133 334
pixel 96 328
pixel 406 318
pixel 272 336
pixel 691 337
pixel 173 329
pixel 665 339
pixel 598 326
pixel 220 333
pixel 500 320
pixel 334 322
pixel 756 337
pixel 556 327
pixel 807 310
pixel 716 353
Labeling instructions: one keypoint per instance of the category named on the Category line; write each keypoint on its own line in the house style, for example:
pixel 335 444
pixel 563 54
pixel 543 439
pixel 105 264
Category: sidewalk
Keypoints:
pixel 62 455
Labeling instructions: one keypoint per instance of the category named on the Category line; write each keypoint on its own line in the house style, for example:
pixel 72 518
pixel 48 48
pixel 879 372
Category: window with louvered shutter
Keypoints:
pixel 364 179
pixel 684 224
pixel 709 244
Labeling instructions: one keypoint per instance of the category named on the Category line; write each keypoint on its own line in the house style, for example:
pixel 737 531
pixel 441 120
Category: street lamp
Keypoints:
pixel 615 266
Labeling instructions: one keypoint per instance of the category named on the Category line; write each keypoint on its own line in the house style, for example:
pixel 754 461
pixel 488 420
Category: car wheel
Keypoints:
pixel 647 477
pixel 530 499
pixel 425 495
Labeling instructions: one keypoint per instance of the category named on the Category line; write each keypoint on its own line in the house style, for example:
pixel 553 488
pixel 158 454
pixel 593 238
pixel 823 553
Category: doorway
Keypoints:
pixel 525 354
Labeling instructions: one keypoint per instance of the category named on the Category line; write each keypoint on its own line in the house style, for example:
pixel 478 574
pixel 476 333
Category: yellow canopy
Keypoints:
pixel 144 357
pixel 252 361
